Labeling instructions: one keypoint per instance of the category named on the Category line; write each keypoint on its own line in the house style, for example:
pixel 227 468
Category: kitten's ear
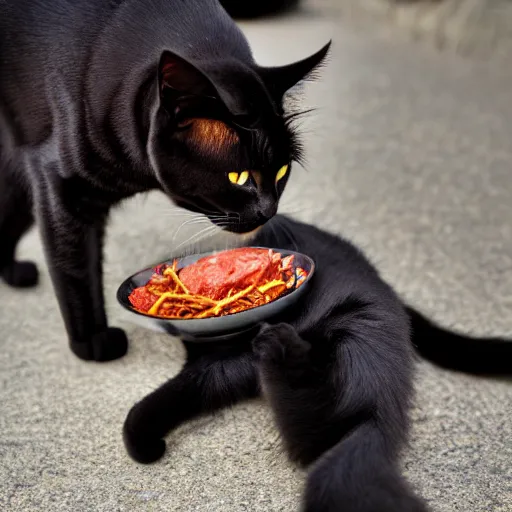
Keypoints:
pixel 181 76
pixel 281 79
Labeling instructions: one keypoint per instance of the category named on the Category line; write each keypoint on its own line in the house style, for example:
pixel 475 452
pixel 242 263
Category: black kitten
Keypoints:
pixel 337 371
pixel 103 99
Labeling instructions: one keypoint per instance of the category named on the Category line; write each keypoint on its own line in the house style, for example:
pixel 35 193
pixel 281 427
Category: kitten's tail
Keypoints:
pixel 359 473
pixel 485 356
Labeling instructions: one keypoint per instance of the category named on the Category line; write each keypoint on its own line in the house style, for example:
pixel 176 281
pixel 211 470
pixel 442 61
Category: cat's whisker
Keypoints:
pixel 193 215
pixel 180 211
pixel 178 214
pixel 190 222
pixel 197 237
pixel 231 215
pixel 193 220
pixel 207 233
pixel 217 218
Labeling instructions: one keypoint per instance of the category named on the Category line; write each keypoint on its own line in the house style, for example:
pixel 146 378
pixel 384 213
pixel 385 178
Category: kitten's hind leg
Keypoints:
pixel 15 220
pixel 203 386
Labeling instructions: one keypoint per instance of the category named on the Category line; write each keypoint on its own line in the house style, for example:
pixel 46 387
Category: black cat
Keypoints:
pixel 103 99
pixel 337 370
pixel 255 8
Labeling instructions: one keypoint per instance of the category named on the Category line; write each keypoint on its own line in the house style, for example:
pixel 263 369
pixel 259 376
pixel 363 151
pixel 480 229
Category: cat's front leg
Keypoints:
pixel 340 407
pixel 292 377
pixel 203 386
pixel 73 247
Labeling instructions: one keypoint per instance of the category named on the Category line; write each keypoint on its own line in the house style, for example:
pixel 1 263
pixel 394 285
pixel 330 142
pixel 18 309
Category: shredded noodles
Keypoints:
pixel 222 284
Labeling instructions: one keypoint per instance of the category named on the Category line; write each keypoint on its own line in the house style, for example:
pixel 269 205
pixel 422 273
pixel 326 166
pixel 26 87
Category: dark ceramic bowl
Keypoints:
pixel 215 328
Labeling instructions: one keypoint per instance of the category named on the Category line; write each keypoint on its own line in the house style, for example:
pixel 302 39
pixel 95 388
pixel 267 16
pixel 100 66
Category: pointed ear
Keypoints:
pixel 281 79
pixel 184 78
pixel 181 76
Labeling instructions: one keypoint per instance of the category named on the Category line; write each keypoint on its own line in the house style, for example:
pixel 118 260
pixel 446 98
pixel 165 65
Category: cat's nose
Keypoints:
pixel 266 212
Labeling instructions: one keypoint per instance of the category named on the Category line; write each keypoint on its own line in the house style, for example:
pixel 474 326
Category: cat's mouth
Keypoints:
pixel 234 225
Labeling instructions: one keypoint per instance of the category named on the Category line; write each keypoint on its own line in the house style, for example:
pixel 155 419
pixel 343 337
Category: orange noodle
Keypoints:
pixel 221 284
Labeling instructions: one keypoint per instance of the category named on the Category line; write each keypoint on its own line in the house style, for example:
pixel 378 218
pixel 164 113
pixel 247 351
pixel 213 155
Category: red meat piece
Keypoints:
pixel 215 275
pixel 142 299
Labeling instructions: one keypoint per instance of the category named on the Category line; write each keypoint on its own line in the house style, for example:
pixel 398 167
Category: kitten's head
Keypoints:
pixel 220 142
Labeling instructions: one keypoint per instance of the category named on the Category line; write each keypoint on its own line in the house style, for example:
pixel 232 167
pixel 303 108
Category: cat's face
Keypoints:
pixel 224 150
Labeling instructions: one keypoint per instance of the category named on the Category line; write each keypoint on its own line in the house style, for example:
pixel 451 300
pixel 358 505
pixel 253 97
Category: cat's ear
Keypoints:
pixel 281 79
pixel 181 76
pixel 198 79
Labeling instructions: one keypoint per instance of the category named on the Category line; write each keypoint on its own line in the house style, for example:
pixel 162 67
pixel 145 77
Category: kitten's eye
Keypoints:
pixel 281 173
pixel 238 178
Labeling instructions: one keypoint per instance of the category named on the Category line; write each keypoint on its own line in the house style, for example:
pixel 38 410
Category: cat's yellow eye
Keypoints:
pixel 281 173
pixel 238 178
pixel 242 179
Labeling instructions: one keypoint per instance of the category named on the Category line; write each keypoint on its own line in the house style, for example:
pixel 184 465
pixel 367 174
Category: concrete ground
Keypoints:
pixel 409 156
pixel 480 28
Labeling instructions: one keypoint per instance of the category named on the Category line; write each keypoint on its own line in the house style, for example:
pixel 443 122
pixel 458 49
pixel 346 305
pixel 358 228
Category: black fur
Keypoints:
pixel 337 371
pixel 255 8
pixel 340 401
pixel 103 99
pixel 448 349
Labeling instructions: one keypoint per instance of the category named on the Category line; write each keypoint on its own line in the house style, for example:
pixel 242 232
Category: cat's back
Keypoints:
pixel 329 250
pixel 60 45
pixel 37 40
pixel 342 269
pixel 344 278
pixel 29 28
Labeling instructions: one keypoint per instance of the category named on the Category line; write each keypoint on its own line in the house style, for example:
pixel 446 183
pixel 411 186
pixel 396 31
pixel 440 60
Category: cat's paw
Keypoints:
pixel 279 343
pixel 140 445
pixel 104 346
pixel 283 356
pixel 20 274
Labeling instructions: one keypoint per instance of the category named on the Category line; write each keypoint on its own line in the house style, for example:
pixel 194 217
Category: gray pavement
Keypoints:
pixel 409 156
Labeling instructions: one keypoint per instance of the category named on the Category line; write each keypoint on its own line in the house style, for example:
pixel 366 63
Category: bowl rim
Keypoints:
pixel 122 298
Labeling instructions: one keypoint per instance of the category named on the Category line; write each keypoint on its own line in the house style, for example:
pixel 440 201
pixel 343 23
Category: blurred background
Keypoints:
pixel 409 155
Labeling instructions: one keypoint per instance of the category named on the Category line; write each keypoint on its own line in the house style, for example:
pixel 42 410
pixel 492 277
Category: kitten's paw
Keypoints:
pixel 266 345
pixel 279 343
pixel 21 274
pixel 104 346
pixel 141 446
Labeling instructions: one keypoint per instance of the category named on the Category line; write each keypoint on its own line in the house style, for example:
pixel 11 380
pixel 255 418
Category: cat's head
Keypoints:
pixel 220 142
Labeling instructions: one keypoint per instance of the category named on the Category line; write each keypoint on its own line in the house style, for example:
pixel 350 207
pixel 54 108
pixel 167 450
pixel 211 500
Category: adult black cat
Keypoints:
pixel 256 8
pixel 103 99
pixel 337 371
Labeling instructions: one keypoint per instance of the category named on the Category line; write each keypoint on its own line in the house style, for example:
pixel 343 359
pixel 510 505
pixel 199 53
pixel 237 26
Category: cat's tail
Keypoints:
pixel 360 473
pixel 485 356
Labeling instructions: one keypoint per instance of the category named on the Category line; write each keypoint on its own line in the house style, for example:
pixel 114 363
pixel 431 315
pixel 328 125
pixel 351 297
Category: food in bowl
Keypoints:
pixel 221 284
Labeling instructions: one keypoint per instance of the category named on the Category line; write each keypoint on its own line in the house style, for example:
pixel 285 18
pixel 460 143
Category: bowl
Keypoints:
pixel 215 328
